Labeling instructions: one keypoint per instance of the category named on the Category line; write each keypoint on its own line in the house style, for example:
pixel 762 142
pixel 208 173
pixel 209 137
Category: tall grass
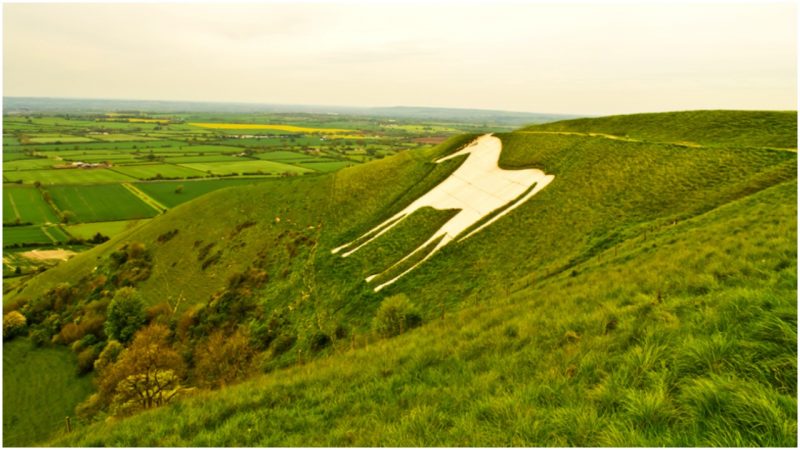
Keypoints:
pixel 40 389
pixel 622 354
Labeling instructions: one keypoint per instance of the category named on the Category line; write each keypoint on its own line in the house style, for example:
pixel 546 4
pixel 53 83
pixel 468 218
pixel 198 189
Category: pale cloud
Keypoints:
pixel 575 58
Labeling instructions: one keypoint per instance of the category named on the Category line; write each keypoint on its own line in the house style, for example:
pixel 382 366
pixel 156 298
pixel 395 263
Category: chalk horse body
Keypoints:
pixel 477 188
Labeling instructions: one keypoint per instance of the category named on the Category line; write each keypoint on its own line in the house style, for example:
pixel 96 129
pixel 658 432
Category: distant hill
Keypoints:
pixel 646 296
pixel 21 105
pixel 737 128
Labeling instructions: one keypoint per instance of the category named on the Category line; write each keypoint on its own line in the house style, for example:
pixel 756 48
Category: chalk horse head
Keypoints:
pixel 479 189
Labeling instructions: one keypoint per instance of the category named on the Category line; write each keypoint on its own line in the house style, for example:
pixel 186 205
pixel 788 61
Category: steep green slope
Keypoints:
pixel 40 389
pixel 686 338
pixel 718 128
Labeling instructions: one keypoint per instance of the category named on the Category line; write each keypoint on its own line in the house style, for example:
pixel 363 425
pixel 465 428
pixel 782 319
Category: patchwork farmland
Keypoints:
pixel 74 180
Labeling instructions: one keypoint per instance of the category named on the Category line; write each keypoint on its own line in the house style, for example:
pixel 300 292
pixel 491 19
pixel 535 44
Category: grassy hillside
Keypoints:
pixel 717 128
pixel 686 338
pixel 638 300
pixel 40 389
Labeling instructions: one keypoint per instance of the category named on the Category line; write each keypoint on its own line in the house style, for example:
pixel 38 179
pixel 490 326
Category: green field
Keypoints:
pixel 27 164
pixel 110 229
pixel 164 192
pixel 327 166
pixel 100 203
pixel 210 149
pixel 148 171
pixel 40 389
pixel 67 176
pixel 9 155
pixel 202 159
pixel 26 204
pixel 113 137
pixel 246 167
pixel 54 139
pixel 282 156
pixel 98 156
pixel 32 235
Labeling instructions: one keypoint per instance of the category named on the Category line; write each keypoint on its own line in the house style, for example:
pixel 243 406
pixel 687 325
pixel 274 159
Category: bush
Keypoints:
pixel 223 359
pixel 39 336
pixel 319 341
pixel 86 360
pixel 282 344
pixel 395 316
pixel 70 333
pixel 160 313
pixel 108 356
pixel 126 314
pixel 14 324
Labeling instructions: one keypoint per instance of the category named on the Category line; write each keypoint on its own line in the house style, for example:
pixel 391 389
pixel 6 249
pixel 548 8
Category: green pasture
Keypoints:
pixel 33 234
pixel 246 167
pixel 14 155
pixel 203 159
pixel 325 166
pixel 54 139
pixel 40 389
pixel 26 204
pixel 281 155
pixel 165 191
pixel 67 176
pixel 110 229
pixel 100 203
pixel 27 164
pixel 148 171
pixel 114 137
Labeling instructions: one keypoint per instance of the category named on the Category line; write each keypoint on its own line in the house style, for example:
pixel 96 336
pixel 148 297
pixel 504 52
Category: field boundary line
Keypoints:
pixel 145 198
pixel 14 205
pixel 47 233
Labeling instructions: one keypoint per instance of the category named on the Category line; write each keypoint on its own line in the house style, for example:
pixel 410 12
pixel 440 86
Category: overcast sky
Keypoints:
pixel 586 59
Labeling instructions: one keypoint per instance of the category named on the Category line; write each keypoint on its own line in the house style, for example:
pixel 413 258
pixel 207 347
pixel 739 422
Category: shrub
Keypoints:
pixel 108 356
pixel 160 313
pixel 125 315
pixel 67 217
pixel 86 360
pixel 98 238
pixel 14 324
pixel 282 344
pixel 39 336
pixel 222 359
pixel 395 316
pixel 70 333
pixel 319 341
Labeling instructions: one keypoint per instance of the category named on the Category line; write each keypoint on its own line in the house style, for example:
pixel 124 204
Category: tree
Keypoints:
pixel 179 189
pixel 14 323
pixel 145 375
pixel 223 359
pixel 125 315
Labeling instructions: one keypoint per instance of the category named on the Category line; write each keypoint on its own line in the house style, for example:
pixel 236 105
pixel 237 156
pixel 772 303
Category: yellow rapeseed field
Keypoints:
pixel 259 126
pixel 160 121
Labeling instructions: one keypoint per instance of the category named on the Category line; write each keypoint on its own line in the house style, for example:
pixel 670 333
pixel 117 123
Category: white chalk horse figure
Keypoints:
pixel 477 188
